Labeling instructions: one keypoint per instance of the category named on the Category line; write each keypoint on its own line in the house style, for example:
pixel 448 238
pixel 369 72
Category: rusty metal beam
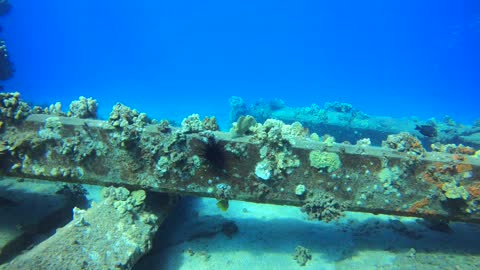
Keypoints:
pixel 165 159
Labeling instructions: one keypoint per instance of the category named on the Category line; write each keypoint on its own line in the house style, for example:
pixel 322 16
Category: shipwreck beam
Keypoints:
pixel 297 170
pixel 113 234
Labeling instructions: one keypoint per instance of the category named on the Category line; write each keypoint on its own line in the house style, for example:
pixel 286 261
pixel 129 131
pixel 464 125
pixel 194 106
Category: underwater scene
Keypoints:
pixel 240 135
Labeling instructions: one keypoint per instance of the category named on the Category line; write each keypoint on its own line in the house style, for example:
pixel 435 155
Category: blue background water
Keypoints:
pixel 398 58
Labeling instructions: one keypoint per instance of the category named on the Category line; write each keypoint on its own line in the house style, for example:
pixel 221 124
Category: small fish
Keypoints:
pixel 223 205
pixel 427 130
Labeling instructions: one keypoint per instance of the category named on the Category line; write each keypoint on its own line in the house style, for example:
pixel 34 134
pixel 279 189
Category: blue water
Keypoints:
pixel 398 58
pixel 174 58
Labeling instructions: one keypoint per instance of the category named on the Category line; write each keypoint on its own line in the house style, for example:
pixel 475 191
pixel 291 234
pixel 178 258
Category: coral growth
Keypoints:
pixel 223 192
pixel 53 109
pixel 210 123
pixel 12 107
pixel 80 148
pixel 300 190
pixel 463 168
pixel 276 132
pixel 302 255
pixel 324 208
pixel 453 191
pixel 83 108
pixel 390 179
pixel 123 200
pixel 130 122
pixel 193 124
pixel 122 116
pixel 418 205
pixel 474 190
pixel 404 142
pixel 52 129
pixel 453 149
pixel 243 126
pixel 263 170
pixel 325 160
pixel 276 155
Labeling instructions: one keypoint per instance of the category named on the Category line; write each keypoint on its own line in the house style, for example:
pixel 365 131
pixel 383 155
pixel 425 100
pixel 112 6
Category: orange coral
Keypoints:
pixel 461 168
pixel 474 190
pixel 466 150
pixel 444 168
pixel 419 204
pixel 430 179
pixel 458 158
pixel 416 144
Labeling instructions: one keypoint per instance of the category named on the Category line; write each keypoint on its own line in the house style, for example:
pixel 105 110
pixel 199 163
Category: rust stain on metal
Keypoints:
pixel 253 168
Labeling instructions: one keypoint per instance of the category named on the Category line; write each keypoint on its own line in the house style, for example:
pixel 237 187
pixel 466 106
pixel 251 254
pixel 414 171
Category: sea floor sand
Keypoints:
pixel 192 238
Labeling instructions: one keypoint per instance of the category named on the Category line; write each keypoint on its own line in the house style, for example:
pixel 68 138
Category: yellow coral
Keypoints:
pixel 452 191
pixel 319 160
pixel 314 136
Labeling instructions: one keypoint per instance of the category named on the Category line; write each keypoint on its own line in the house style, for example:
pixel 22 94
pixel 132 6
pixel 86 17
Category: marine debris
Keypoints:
pixel 25 214
pixel 112 234
pixel 273 162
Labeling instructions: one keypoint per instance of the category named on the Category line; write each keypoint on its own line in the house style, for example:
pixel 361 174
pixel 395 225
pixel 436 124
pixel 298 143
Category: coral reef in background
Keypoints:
pixel 348 124
pixel 237 108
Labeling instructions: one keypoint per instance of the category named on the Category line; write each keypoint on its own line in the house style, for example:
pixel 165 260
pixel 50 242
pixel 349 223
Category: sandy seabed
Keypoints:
pixel 193 237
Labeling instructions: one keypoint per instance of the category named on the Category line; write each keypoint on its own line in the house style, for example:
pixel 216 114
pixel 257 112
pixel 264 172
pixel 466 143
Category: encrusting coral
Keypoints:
pixel 325 160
